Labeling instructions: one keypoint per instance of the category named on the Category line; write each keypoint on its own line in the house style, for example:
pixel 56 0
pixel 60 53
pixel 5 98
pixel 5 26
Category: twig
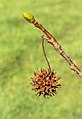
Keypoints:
pixel 49 67
pixel 53 42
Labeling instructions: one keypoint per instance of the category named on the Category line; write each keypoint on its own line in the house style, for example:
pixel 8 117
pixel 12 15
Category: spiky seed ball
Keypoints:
pixel 45 83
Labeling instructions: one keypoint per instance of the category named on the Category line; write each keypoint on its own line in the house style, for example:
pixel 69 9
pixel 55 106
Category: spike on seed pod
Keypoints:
pixel 45 83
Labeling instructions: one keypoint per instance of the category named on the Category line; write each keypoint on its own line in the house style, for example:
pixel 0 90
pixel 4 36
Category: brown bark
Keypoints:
pixel 58 48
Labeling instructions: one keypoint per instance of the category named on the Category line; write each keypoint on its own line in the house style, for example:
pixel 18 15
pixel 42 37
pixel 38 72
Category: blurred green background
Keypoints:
pixel 21 54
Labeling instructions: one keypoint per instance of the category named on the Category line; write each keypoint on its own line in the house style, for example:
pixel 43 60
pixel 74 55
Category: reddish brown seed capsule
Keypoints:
pixel 45 83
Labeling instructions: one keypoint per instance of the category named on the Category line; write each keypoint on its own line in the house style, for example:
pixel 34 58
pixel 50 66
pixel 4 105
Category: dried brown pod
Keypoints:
pixel 45 83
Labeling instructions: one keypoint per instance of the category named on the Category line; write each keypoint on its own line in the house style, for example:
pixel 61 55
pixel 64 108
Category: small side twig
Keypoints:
pixel 49 67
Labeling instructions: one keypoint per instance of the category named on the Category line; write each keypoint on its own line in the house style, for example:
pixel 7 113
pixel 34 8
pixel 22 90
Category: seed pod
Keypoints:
pixel 45 83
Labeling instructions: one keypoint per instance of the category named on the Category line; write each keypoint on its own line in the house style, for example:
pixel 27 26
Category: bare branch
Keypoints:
pixel 49 37
pixel 58 48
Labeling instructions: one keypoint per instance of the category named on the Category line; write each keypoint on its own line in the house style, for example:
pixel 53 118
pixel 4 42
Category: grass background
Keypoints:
pixel 21 54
